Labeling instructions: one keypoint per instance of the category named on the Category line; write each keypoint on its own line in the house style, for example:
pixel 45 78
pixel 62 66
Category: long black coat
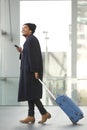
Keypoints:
pixel 31 62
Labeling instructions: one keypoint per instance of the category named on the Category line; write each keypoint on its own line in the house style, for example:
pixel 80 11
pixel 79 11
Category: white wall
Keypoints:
pixel 9 57
pixel 9 23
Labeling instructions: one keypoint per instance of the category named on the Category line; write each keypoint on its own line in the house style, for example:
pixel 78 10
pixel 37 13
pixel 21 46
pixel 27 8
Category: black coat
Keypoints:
pixel 31 62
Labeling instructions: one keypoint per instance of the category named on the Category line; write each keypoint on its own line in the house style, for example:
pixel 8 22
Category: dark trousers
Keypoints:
pixel 39 105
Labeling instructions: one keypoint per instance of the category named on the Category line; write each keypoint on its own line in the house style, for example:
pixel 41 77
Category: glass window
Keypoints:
pixel 53 20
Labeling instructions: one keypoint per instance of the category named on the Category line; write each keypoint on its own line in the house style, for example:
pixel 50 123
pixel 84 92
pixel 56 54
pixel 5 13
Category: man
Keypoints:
pixel 30 89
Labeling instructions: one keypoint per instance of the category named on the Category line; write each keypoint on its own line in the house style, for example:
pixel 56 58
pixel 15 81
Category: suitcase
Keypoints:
pixel 67 105
pixel 70 108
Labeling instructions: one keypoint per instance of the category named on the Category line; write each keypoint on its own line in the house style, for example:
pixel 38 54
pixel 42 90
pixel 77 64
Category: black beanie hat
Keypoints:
pixel 31 26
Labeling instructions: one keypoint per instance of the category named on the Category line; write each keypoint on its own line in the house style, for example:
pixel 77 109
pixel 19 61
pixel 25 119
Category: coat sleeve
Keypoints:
pixel 35 55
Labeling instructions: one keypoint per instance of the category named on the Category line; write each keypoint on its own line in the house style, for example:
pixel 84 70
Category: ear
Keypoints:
pixel 30 31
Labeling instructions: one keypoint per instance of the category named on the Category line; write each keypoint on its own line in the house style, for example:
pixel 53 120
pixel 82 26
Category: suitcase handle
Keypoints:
pixel 47 89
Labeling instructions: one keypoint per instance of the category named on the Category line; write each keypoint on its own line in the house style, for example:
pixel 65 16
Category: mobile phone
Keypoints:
pixel 16 46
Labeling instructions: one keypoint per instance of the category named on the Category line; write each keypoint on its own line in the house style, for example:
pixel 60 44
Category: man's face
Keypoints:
pixel 26 31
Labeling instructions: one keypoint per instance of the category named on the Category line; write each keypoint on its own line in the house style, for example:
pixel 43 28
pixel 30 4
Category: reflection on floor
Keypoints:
pixel 10 116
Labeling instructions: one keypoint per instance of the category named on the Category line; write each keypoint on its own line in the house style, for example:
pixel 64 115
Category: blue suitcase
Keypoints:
pixel 67 105
pixel 70 108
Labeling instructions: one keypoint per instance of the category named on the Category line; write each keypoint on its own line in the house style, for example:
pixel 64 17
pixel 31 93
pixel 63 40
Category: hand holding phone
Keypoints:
pixel 19 49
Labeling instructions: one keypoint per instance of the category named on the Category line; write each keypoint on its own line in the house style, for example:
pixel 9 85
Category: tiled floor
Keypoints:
pixel 10 116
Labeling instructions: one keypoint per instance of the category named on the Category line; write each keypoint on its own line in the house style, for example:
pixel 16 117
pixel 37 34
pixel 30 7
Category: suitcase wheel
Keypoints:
pixel 73 121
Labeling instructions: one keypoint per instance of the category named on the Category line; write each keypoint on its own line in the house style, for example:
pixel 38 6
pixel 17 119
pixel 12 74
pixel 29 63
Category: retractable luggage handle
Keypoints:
pixel 47 89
